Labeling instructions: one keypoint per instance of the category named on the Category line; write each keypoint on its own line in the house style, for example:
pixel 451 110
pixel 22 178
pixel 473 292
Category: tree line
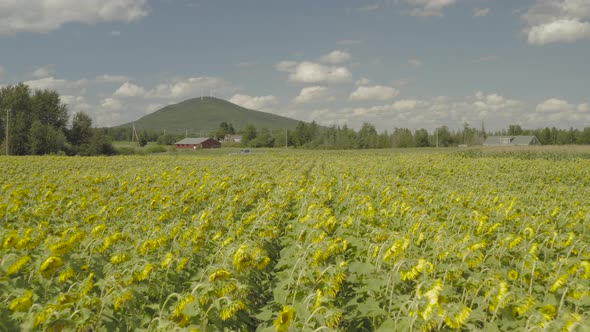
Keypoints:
pixel 37 123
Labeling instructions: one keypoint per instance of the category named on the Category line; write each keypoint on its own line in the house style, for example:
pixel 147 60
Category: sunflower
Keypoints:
pixel 283 322
pixel 512 275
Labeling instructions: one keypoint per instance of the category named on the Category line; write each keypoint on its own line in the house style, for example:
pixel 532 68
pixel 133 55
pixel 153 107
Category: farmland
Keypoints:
pixel 296 241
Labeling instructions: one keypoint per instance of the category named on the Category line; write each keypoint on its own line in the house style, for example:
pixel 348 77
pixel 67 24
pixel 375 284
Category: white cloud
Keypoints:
pixel 42 16
pixel 106 78
pixel 286 66
pixel 310 72
pixel 415 63
pixel 428 7
pixel 75 103
pixel 336 57
pixel 481 12
pixel 43 71
pixel 129 90
pixel 362 81
pixel 552 21
pixel 52 83
pixel 560 113
pixel 112 104
pixel 190 88
pixel 376 92
pixel 559 31
pixel 310 94
pixel 255 103
pixel 554 105
pixel 408 105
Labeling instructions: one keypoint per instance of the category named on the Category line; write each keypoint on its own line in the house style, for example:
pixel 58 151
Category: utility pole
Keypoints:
pixel 286 138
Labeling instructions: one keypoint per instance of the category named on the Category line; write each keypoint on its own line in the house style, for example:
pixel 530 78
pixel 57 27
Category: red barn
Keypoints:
pixel 198 143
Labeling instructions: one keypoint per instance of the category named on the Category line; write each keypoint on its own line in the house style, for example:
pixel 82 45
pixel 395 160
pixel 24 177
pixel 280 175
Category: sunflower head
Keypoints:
pixel 283 322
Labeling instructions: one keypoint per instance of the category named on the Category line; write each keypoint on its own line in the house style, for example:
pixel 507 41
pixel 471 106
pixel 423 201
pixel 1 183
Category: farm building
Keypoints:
pixel 233 138
pixel 198 143
pixel 511 141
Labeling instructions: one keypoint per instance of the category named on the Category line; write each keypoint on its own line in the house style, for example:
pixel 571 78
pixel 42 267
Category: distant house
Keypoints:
pixel 511 141
pixel 198 143
pixel 233 138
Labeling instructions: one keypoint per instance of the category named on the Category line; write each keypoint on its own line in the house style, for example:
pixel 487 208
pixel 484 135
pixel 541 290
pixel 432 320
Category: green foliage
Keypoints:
pixel 296 241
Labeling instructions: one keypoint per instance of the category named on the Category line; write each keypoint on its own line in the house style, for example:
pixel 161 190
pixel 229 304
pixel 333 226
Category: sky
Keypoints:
pixel 392 63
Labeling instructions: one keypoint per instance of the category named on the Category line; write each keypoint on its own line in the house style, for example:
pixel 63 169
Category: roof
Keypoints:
pixel 512 140
pixel 193 140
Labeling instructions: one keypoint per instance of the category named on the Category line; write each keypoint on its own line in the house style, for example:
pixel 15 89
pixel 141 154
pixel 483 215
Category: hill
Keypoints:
pixel 201 116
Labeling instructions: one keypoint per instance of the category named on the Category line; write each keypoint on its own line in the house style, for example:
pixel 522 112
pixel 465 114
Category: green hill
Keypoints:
pixel 201 116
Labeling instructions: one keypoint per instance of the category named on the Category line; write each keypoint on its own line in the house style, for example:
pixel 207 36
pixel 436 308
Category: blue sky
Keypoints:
pixel 393 63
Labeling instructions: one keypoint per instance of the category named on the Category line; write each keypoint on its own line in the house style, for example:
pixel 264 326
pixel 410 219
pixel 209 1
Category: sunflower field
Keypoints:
pixel 296 241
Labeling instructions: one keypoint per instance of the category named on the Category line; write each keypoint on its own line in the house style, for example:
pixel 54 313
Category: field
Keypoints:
pixel 297 241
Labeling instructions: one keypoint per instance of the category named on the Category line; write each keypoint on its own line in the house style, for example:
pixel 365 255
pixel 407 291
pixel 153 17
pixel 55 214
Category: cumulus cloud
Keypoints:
pixel 106 78
pixel 559 112
pixel 43 71
pixel 257 103
pixel 494 109
pixel 129 90
pixel 554 105
pixel 552 21
pixel 310 72
pixel 42 16
pixel 310 94
pixel 559 31
pixel 376 92
pixel 112 104
pixel 286 66
pixel 336 57
pixel 362 81
pixel 481 12
pixel 190 88
pixel 428 7
pixel 75 103
pixel 57 84
pixel 415 63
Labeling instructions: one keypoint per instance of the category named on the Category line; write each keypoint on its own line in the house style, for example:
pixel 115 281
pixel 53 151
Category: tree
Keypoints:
pixel 166 139
pixel 100 144
pixel 46 107
pixel 249 135
pixel 514 130
pixel 367 137
pixel 17 99
pixel 301 135
pixel 143 138
pixel 421 138
pixel 403 138
pixel 81 133
pixel 224 129
pixel 44 139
